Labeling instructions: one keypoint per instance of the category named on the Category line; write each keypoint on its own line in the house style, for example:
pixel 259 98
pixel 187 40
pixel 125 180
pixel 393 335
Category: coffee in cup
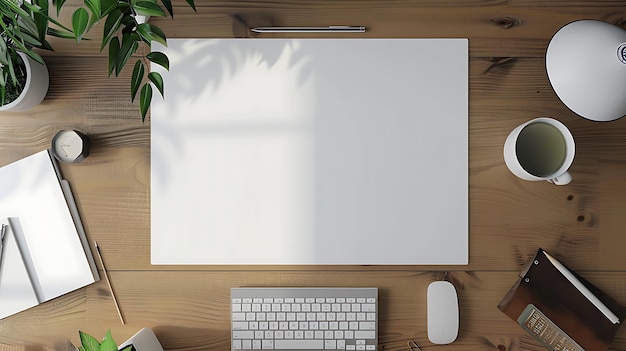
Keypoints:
pixel 540 149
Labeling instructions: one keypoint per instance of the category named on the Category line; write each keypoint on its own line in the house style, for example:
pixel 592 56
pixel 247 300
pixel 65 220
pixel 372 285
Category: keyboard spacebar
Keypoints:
pixel 298 344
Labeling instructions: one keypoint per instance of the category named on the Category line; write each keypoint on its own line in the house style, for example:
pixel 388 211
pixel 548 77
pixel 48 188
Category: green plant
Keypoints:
pixel 124 35
pixel 24 25
pixel 89 343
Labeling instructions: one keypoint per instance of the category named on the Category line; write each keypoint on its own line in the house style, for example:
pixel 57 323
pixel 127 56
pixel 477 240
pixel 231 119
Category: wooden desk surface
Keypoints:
pixel 581 223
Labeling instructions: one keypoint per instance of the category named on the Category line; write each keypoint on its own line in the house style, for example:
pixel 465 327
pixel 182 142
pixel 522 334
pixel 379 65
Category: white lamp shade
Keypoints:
pixel 586 65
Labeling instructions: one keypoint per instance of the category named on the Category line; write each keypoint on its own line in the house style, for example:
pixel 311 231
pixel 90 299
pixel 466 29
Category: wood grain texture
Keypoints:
pixel 582 223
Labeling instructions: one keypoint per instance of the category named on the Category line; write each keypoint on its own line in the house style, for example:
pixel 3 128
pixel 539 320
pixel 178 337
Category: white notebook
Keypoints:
pixel 311 151
pixel 45 253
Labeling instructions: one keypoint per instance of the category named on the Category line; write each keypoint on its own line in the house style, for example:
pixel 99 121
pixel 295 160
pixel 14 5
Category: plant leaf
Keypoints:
pixel 60 33
pixel 13 7
pixel 157 80
pixel 144 100
pixel 28 25
pixel 59 24
pixel 130 37
pixel 59 5
pixel 158 34
pixel 159 58
pixel 41 19
pixel 114 49
pixel 108 344
pixel 148 8
pixel 146 32
pixel 126 51
pixel 35 56
pixel 3 53
pixel 137 78
pixel 94 7
pixel 12 70
pixel 168 6
pixel 192 4
pixel 89 342
pixel 111 26
pixel 107 6
pixel 80 20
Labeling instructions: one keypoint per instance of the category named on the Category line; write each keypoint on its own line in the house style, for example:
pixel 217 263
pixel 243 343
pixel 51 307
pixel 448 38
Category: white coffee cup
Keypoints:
pixel 540 149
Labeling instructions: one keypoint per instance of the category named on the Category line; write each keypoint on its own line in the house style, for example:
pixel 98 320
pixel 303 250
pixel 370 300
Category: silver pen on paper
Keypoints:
pixel 326 29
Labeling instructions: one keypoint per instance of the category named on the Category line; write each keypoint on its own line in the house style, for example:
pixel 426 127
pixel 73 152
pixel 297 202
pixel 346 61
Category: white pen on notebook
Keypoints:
pixel 326 29
pixel 583 290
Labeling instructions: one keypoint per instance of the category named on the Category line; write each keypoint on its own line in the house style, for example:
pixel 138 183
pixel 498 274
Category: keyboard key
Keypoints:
pixel 238 316
pixel 298 344
pixel 365 334
pixel 267 344
pixel 368 307
pixel 243 334
pixel 367 325
pixel 240 326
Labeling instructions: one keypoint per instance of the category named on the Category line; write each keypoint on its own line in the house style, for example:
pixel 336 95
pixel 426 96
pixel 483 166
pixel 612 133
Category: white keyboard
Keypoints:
pixel 304 319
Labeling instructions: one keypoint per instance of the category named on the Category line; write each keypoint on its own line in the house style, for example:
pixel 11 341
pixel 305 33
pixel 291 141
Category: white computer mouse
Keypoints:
pixel 442 312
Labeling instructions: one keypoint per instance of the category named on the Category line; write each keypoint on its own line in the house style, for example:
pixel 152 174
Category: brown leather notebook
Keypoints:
pixel 559 296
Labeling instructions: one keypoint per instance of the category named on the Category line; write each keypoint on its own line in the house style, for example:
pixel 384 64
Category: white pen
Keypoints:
pixel 328 29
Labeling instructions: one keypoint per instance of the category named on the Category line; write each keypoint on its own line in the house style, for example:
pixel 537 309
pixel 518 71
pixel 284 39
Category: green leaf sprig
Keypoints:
pixel 124 35
pixel 89 343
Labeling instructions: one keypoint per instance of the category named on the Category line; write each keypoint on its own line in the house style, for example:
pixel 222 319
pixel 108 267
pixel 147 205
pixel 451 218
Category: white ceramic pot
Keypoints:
pixel 141 19
pixel 35 89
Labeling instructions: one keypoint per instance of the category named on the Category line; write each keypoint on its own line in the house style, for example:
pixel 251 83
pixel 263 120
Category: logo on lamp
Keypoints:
pixel 621 53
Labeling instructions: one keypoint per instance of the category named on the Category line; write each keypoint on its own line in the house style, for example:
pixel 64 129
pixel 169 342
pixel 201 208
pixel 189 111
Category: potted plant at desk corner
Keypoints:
pixel 23 73
pixel 126 30
pixel 90 343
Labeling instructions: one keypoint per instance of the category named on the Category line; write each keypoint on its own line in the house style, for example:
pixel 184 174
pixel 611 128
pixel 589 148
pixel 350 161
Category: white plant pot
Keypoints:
pixel 141 19
pixel 35 88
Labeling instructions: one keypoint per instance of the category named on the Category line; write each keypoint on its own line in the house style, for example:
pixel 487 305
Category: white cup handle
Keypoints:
pixel 563 179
